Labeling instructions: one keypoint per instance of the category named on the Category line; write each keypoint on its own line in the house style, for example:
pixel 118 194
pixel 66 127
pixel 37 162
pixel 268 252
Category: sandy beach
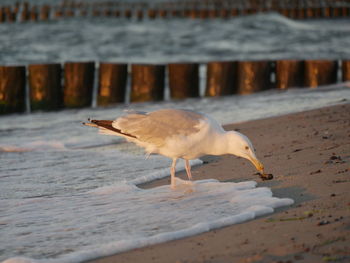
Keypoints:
pixel 309 154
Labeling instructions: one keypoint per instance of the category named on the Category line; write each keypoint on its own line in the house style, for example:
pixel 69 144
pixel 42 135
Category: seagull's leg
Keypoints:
pixel 188 169
pixel 172 172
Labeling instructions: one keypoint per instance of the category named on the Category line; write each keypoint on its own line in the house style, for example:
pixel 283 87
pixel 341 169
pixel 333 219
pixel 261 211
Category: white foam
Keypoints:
pixel 33 146
pixel 117 218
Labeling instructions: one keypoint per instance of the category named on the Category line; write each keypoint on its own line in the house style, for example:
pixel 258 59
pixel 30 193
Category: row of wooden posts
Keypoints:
pixel 52 87
pixel 207 9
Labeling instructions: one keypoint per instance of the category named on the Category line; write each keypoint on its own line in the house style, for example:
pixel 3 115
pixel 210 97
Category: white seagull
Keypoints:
pixel 180 134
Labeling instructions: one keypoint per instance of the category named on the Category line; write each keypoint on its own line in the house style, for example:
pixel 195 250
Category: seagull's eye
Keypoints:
pixel 247 148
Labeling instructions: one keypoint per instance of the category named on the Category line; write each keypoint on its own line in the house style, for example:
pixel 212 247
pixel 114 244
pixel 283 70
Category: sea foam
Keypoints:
pixel 114 219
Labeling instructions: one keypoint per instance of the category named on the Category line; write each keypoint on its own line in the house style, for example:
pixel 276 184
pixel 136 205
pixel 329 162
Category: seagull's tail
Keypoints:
pixel 106 127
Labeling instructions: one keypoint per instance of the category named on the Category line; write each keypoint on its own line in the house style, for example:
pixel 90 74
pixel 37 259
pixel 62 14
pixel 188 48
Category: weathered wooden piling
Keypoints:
pixel 12 89
pixel 285 12
pixel 69 12
pixel 318 12
pixel 346 70
pixel 334 11
pixel 176 13
pixel 289 73
pixel 147 83
pixel 45 12
pixel 320 72
pixel 253 76
pixel 221 78
pixel 139 14
pixel 96 12
pixel 34 13
pixel 2 15
pixel 107 12
pixel 59 12
pixel 295 13
pixel 112 83
pixel 117 13
pixel 25 15
pixel 45 86
pixel 78 84
pixel 234 12
pixel 83 12
pixel 309 12
pixel 163 13
pixel 152 13
pixel 128 13
pixel 183 80
pixel 224 13
pixel 10 14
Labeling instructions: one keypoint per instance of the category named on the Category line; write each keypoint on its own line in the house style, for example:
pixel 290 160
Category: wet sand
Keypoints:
pixel 309 155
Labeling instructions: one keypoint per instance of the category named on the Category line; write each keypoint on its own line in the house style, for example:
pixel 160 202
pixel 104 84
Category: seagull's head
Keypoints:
pixel 240 145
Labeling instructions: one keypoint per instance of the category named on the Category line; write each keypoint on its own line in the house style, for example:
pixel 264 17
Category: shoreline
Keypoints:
pixel 308 153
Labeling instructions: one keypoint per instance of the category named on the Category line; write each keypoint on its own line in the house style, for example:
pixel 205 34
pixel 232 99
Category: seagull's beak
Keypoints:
pixel 258 165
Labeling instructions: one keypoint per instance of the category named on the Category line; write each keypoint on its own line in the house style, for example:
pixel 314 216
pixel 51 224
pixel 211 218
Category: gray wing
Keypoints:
pixel 155 127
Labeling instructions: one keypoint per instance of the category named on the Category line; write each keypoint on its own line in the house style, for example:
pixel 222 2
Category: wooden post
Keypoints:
pixel 112 83
pixel 25 15
pixel 139 14
pixel 10 15
pixel 69 12
pixel 213 13
pixel 309 12
pixel 301 13
pixel 318 12
pixel 203 13
pixel 326 12
pixel 78 84
pixel 12 89
pixel 320 72
pixel 253 76
pixel 289 73
pixel 176 13
pixel 346 70
pixel 83 12
pixel 45 86
pixel 34 14
pixel 234 12
pixel 163 13
pixel 128 13
pixel 45 12
pixel 117 13
pixel 152 13
pixel 96 11
pixel 183 80
pixel 108 12
pixel 2 15
pixel 221 78
pixel 334 11
pixel 59 12
pixel 284 12
pixel 147 83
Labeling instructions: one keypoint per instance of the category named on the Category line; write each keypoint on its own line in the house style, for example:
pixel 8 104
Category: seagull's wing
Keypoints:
pixel 155 127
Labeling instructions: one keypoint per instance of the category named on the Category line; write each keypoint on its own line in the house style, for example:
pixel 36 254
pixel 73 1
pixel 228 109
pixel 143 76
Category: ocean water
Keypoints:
pixel 257 37
pixel 68 194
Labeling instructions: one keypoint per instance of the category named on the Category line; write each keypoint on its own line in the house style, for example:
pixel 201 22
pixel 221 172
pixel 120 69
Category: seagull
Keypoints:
pixel 179 134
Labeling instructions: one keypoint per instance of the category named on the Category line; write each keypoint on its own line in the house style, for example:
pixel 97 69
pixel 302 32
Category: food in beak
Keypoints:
pixel 260 167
